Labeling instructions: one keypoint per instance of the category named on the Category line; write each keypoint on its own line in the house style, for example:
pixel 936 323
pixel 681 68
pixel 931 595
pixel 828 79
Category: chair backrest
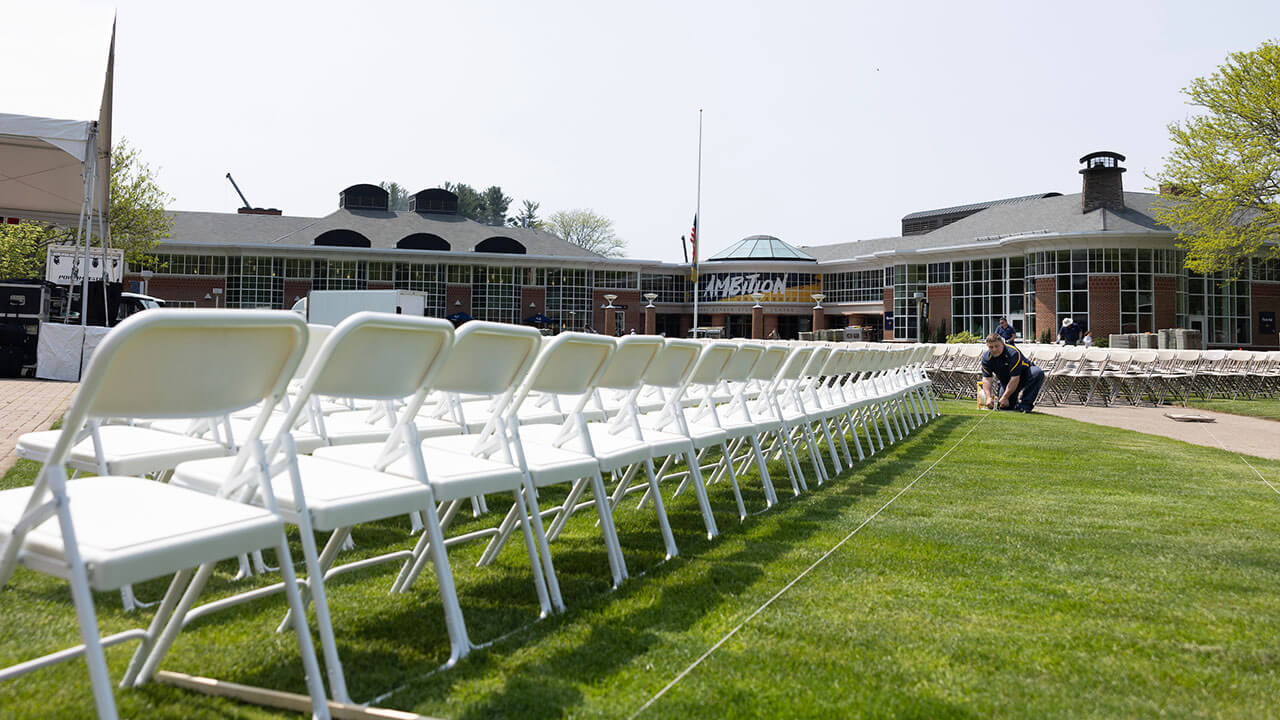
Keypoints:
pixel 488 357
pixel 379 356
pixel 796 363
pixel 205 363
pixel 739 367
pixel 773 358
pixel 570 363
pixel 1145 357
pixel 316 335
pixel 715 355
pixel 674 363
pixel 634 356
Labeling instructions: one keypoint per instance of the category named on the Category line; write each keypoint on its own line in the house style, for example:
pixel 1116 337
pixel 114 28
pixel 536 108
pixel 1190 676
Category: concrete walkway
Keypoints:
pixel 1236 433
pixel 27 405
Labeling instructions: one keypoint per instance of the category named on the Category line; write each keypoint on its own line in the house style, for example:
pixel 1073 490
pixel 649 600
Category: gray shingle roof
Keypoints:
pixel 1060 215
pixel 975 206
pixel 383 229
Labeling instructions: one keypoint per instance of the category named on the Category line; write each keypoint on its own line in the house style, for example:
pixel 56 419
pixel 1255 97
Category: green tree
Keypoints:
pixel 137 218
pixel 470 202
pixel 528 217
pixel 135 214
pixel 397 195
pixel 1224 169
pixel 495 206
pixel 588 230
pixel 22 249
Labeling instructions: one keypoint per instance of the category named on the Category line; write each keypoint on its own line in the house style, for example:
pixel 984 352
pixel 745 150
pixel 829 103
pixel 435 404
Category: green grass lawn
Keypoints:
pixel 1268 408
pixel 1044 568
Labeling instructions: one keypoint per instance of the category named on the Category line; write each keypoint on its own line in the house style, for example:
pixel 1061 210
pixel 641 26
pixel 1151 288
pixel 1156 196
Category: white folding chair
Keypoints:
pixel 105 532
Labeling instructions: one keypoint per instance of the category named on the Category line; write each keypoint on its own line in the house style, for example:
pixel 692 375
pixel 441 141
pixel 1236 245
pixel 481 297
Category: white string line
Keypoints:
pixel 797 579
pixel 1246 462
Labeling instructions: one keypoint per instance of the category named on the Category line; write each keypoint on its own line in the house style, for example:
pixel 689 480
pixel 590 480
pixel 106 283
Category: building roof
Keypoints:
pixel 383 229
pixel 762 247
pixel 973 207
pixel 1056 215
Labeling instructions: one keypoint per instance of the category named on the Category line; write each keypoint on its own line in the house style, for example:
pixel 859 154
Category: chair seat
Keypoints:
pixel 452 474
pixel 304 440
pixel 128 450
pixel 612 451
pixel 547 465
pixel 704 434
pixel 351 427
pixel 132 529
pixel 477 414
pixel 337 494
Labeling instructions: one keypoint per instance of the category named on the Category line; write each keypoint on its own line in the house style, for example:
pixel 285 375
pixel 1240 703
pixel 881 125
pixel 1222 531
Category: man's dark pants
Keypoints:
pixel 1028 390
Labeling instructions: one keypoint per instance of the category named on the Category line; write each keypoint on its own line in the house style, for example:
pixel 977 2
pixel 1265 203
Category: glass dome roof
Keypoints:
pixel 762 247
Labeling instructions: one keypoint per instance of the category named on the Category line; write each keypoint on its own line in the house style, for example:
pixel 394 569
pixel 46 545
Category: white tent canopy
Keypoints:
pixel 42 166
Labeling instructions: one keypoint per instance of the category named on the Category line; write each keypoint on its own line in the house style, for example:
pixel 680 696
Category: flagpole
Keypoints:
pixel 697 219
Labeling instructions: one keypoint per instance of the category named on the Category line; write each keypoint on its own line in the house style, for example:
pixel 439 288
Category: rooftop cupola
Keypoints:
pixel 1103 187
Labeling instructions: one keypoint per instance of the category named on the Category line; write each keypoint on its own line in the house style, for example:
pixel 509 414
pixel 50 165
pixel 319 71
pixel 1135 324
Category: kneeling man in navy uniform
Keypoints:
pixel 1019 380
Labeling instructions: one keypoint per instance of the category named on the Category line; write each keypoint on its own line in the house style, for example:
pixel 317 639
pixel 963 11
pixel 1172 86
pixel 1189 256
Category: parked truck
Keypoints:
pixel 330 307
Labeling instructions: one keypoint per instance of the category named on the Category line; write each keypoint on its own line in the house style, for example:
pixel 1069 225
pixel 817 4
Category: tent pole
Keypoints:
pixel 91 168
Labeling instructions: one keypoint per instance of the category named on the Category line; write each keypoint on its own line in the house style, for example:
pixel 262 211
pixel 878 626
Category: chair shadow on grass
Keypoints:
pixel 545 686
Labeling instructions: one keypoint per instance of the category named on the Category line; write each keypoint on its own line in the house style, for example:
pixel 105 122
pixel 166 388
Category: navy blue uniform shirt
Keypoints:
pixel 1007 332
pixel 1005 365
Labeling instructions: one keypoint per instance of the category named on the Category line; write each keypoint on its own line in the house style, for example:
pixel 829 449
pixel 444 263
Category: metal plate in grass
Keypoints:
pixel 1189 417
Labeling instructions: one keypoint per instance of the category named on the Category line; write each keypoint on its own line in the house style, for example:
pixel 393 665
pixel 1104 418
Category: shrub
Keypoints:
pixel 1046 337
pixel 1101 342
pixel 964 336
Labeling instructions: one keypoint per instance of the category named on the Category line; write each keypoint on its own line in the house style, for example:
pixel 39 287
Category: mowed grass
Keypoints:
pixel 1268 408
pixel 1042 568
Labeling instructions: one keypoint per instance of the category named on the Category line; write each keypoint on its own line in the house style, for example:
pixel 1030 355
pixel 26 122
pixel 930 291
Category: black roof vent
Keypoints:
pixel 436 201
pixel 363 197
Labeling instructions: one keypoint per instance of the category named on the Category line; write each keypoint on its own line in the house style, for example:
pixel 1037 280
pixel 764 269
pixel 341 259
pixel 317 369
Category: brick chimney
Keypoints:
pixel 1103 187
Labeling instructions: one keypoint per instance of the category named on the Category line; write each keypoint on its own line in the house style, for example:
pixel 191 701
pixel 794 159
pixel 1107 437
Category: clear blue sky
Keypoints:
pixel 824 121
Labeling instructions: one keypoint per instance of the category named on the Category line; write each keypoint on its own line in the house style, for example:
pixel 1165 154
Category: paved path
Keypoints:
pixel 27 405
pixel 1236 433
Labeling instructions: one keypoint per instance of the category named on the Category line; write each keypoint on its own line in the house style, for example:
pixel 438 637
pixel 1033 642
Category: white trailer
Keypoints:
pixel 330 307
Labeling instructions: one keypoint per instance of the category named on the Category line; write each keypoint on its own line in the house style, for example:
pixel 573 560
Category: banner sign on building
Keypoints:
pixel 62 264
pixel 775 287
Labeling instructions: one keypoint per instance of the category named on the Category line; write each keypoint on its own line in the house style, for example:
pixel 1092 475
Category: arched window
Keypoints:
pixel 363 197
pixel 500 244
pixel 342 238
pixel 423 241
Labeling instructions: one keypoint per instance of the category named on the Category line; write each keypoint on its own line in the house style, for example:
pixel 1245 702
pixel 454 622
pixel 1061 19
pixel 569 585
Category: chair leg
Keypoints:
pixel 536 566
pixel 99 678
pixel 770 494
pixel 664 525
pixel 733 481
pixel 604 511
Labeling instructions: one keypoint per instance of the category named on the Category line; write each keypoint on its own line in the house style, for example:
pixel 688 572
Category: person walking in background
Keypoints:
pixel 1087 341
pixel 1006 331
pixel 1009 380
pixel 1069 333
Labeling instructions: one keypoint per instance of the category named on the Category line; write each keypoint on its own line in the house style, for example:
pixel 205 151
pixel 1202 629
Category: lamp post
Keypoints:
pixel 922 312
pixel 819 317
pixel 650 314
pixel 610 321
pixel 757 317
